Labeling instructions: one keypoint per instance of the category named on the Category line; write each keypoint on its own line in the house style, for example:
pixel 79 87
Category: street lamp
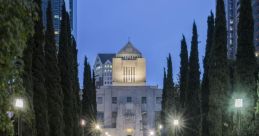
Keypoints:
pixel 176 122
pixel 97 127
pixel 238 106
pixel 83 123
pixel 19 105
pixel 160 126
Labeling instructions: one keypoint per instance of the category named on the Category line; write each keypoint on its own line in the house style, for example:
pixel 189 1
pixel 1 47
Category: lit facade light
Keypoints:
pixel 176 122
pixel 83 123
pixel 239 103
pixel 19 103
pixel 151 133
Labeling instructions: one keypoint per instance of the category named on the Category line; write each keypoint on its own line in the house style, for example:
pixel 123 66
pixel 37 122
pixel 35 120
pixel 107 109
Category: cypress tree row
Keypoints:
pixel 245 87
pixel 183 72
pixel 38 66
pixel 218 115
pixel 193 103
pixel 205 79
pixel 65 61
pixel 52 83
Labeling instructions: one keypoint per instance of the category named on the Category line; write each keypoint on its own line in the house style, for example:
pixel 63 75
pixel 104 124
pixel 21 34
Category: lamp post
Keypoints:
pixel 83 123
pixel 19 105
pixel 176 125
pixel 98 129
pixel 238 106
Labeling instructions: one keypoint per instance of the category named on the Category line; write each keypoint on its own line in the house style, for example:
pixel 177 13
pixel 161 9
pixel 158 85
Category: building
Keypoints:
pixel 103 69
pixel 128 107
pixel 73 17
pixel 130 67
pixel 232 17
pixel 255 6
pixel 57 14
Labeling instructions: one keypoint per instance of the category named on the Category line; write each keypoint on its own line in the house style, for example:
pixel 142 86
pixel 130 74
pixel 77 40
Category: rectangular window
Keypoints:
pixel 114 118
pixel 100 116
pixel 129 99
pixel 114 100
pixel 158 100
pixel 99 100
pixel 144 100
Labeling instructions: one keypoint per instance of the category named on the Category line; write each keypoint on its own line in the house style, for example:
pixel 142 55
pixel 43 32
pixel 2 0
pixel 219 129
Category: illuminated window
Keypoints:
pixel 56 32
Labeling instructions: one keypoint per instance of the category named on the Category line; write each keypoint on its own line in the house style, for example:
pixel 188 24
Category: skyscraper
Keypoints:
pixel 255 5
pixel 232 16
pixel 56 11
pixel 73 16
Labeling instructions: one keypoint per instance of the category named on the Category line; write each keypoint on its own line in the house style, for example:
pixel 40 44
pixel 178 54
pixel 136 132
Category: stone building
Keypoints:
pixel 128 107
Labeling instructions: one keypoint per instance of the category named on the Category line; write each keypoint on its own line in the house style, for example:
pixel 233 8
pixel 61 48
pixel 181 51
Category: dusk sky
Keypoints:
pixel 155 27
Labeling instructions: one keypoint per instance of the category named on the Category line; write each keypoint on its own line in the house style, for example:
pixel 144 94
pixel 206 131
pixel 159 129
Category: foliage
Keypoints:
pixel 52 83
pixel 205 79
pixel 16 25
pixel 193 102
pixel 183 72
pixel 245 86
pixel 218 115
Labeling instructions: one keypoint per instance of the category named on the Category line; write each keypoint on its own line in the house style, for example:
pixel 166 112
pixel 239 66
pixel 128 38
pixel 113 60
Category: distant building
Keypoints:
pixel 103 69
pixel 128 107
pixel 232 16
pixel 57 16
pixel 255 5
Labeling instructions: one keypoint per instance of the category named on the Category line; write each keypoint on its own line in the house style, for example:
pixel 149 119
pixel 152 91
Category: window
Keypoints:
pixel 129 99
pixel 114 117
pixel 158 100
pixel 114 100
pixel 100 116
pixel 99 100
pixel 144 100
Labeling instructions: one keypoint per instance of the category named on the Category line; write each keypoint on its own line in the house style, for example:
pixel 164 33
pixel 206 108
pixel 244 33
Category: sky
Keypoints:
pixel 155 27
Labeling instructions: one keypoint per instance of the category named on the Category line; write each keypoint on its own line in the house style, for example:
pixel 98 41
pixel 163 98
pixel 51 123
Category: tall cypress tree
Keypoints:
pixel 29 124
pixel 52 83
pixel 164 99
pixel 193 104
pixel 205 79
pixel 38 66
pixel 76 89
pixel 65 61
pixel 245 86
pixel 170 103
pixel 183 72
pixel 218 115
pixel 87 107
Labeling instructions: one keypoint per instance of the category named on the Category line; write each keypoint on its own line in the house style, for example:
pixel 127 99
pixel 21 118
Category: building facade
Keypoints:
pixel 103 69
pixel 232 17
pixel 128 107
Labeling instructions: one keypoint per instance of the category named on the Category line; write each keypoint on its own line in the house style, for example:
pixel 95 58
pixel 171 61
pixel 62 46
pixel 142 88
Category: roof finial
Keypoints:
pixel 128 39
